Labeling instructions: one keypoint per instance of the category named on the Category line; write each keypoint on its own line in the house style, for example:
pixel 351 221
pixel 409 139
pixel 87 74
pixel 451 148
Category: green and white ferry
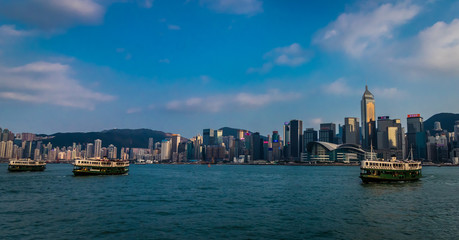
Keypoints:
pixel 87 167
pixel 24 165
pixel 390 171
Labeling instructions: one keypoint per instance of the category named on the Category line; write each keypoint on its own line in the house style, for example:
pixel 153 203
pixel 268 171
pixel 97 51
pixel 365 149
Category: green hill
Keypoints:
pixel 447 121
pixel 137 138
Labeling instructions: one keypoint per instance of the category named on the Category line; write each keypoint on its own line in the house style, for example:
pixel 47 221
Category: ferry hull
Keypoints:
pixel 390 176
pixel 368 179
pixel 13 168
pixel 78 172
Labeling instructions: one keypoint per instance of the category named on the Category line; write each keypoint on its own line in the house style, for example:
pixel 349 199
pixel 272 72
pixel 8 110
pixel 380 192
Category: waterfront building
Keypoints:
pixel 89 150
pixel 166 150
pixel 368 119
pixel 175 142
pixel 327 132
pixel 208 136
pixel 9 149
pixel 276 146
pixel 218 137
pixel 389 138
pixel 286 133
pixel 296 139
pixel 27 149
pixel 416 137
pixel 97 148
pixel 309 135
pixel 2 149
pixel 151 144
pixel 325 152
pixel 351 132
pixel 257 146
pixel 456 132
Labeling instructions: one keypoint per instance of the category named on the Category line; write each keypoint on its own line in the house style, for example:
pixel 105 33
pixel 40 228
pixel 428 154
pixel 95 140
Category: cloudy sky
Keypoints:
pixel 183 65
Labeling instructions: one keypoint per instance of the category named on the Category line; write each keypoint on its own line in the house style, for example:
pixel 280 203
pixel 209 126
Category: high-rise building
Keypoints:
pixel 166 150
pixel 416 137
pixel 218 137
pixel 28 152
pixel 310 135
pixel 456 131
pixel 175 142
pixel 89 150
pixel 351 133
pixel 286 136
pixel 9 149
pixel 257 146
pixel 2 149
pixel 327 132
pixel 97 148
pixel 389 138
pixel 208 136
pixel 296 139
pixel 368 119
pixel 151 144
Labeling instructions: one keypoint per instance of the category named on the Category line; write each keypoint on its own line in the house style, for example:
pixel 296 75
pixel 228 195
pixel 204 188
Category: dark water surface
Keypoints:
pixel 235 202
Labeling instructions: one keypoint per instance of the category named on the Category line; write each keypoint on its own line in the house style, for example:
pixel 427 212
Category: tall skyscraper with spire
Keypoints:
pixel 368 119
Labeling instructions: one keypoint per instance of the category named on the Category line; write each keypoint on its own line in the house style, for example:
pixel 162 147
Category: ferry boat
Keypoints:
pixel 86 167
pixel 390 171
pixel 23 165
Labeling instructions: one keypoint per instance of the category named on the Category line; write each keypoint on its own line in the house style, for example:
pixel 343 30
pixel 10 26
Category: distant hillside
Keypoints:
pixel 227 131
pixel 447 121
pixel 137 138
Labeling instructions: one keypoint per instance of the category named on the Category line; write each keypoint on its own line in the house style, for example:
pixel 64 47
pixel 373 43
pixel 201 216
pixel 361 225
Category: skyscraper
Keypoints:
pixel 257 146
pixel 175 142
pixel 151 145
pixel 296 139
pixel 286 136
pixel 97 148
pixel 310 135
pixel 368 119
pixel 390 138
pixel 89 150
pixel 351 133
pixel 218 137
pixel 208 136
pixel 327 132
pixel 416 137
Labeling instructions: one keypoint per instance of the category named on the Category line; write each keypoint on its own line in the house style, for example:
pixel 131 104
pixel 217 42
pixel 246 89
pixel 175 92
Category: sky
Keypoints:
pixel 181 66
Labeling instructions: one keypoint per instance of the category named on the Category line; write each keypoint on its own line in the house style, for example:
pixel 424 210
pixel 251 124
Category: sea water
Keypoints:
pixel 226 202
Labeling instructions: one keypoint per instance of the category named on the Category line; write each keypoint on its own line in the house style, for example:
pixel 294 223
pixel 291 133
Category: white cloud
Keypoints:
pixel 340 88
pixel 205 79
pixel 51 14
pixel 134 110
pixel 438 49
pixel 388 93
pixel 147 3
pixel 316 121
pixel 9 34
pixel 224 102
pixel 356 33
pixel 293 55
pixel 49 83
pixel 11 31
pixel 241 7
pixel 173 27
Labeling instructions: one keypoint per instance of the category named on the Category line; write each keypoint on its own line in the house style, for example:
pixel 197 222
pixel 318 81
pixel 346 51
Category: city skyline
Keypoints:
pixel 184 66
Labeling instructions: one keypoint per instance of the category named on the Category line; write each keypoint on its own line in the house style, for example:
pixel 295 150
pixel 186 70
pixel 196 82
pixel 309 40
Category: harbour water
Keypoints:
pixel 234 202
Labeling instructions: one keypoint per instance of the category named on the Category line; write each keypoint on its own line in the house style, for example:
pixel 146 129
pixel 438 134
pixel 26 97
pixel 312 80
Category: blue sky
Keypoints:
pixel 181 66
